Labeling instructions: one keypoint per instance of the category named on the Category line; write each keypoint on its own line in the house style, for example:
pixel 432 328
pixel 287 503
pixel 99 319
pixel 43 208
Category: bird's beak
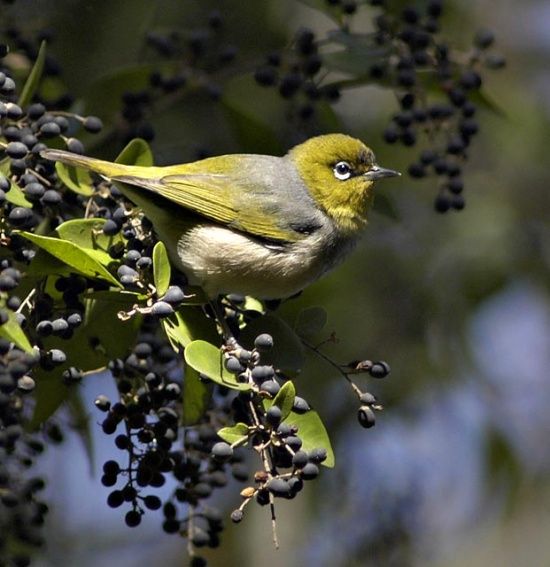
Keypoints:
pixel 376 172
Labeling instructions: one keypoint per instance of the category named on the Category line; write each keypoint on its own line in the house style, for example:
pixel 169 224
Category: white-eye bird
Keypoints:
pixel 252 224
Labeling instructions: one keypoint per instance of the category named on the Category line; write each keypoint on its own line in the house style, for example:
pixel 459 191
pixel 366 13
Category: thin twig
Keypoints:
pixel 334 365
pixel 41 177
pixel 89 204
pixel 268 469
pixel 27 300
pixel 218 310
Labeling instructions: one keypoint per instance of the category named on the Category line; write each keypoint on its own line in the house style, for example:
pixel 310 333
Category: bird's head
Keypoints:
pixel 339 172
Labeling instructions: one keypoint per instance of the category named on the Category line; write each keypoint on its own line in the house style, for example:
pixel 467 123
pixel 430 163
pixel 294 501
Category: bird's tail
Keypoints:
pixel 130 180
pixel 105 168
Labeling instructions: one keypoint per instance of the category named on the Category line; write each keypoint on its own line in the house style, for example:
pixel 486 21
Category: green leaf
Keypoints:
pixel 136 152
pixel 161 268
pixel 310 321
pixel 332 12
pixel 310 427
pixel 76 179
pixel 187 325
pixel 100 256
pixel 182 328
pixel 44 264
pixel 101 314
pixel 356 61
pixel 196 397
pixel 33 80
pixel 234 435
pixel 50 393
pixel 287 354
pixel 12 331
pixel 313 433
pixel 120 298
pixel 81 260
pixel 16 196
pixel 89 349
pixel 483 100
pixel 357 82
pixel 356 41
pixel 88 233
pixel 285 399
pixel 253 304
pixel 207 359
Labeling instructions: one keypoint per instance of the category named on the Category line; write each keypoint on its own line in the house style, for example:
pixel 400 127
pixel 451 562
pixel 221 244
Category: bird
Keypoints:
pixel 249 224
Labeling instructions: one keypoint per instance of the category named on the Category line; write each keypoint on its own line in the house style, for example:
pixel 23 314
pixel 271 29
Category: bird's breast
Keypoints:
pixel 221 260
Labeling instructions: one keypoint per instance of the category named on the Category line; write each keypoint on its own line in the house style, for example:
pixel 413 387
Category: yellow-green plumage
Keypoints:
pixel 244 223
pixel 349 203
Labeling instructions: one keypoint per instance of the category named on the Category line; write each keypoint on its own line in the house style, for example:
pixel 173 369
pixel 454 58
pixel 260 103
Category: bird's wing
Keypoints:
pixel 256 196
pixel 216 196
pixel 221 198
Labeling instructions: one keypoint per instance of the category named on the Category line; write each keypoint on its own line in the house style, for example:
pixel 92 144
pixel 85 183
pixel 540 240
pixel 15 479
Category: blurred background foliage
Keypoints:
pixel 456 470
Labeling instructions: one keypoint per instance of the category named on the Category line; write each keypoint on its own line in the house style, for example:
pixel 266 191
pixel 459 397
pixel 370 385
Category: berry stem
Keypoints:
pixel 335 365
pixel 268 467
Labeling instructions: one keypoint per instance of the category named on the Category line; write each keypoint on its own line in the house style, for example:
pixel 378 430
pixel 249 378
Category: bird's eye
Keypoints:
pixel 342 170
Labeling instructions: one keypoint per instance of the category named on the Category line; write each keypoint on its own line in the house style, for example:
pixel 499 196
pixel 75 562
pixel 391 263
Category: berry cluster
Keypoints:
pixel 21 510
pixel 29 190
pixel 264 414
pixel 369 402
pixel 28 195
pixel 25 131
pixel 58 317
pixel 296 75
pixel 197 56
pixel 148 412
pixel 28 45
pixel 421 65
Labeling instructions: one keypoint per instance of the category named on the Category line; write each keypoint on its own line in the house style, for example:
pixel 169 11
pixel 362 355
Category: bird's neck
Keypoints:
pixel 349 216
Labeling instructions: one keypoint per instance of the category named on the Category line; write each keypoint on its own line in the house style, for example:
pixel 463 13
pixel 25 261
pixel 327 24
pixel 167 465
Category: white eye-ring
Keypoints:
pixel 342 170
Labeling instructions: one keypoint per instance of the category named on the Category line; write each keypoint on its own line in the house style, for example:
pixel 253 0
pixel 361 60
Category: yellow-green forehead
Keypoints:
pixel 332 148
